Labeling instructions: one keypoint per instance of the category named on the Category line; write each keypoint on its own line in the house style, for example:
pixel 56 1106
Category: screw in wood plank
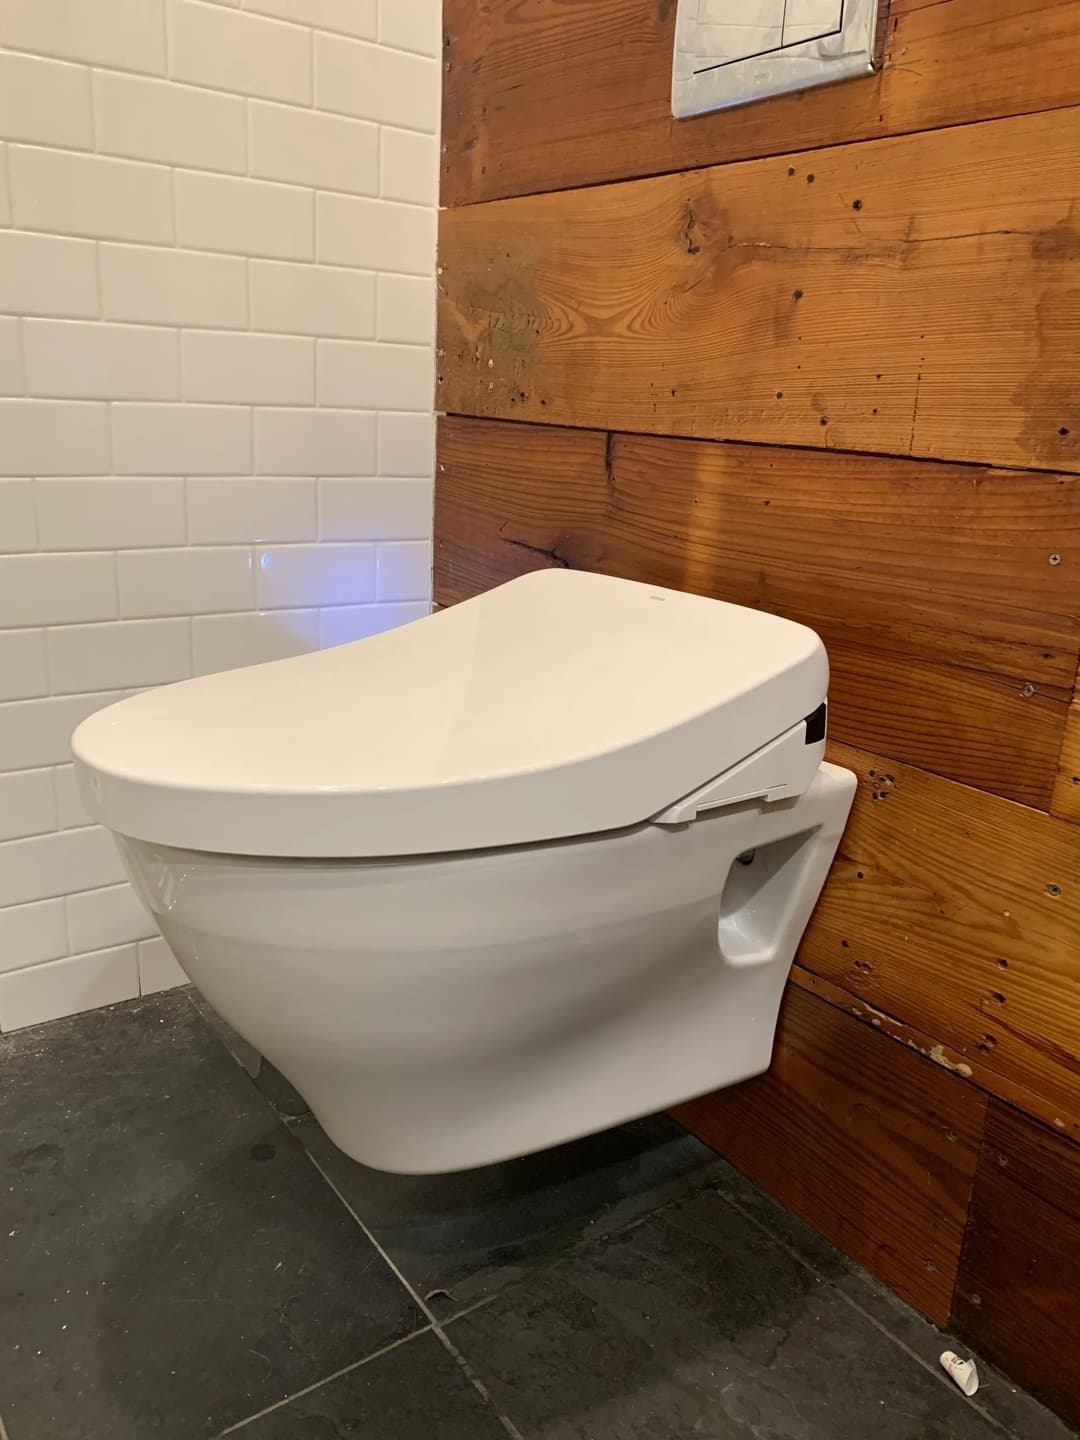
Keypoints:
pixel 1028 691
pixel 1055 559
pixel 1054 890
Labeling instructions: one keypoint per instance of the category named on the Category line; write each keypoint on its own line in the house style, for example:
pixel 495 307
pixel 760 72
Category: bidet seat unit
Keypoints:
pixel 525 869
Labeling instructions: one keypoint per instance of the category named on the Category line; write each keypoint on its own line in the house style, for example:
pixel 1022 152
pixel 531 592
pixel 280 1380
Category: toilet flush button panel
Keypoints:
pixel 729 52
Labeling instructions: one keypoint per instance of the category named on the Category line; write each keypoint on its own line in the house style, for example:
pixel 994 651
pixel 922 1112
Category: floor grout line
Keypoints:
pixel 928 1365
pixel 465 1310
pixel 434 1325
pixel 421 1304
pixel 410 1289
pixel 316 1385
pixel 478 1385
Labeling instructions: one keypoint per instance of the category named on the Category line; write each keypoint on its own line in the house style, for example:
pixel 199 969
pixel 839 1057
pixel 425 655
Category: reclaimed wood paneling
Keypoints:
pixel 1065 800
pixel 969 1066
pixel 918 295
pixel 868 1142
pixel 1018 1292
pixel 930 584
pixel 958 913
pixel 546 94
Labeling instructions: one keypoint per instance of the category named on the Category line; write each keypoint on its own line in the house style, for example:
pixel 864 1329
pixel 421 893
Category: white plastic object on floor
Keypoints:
pixel 963 1372
pixel 602 921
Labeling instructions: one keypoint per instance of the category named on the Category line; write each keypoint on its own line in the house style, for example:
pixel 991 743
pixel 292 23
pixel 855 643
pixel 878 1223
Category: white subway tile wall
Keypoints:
pixel 158 969
pixel 11 361
pixel 217 260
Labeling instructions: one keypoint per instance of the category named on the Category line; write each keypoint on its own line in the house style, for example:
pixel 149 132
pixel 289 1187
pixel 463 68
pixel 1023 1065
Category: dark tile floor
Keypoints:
pixel 183 1255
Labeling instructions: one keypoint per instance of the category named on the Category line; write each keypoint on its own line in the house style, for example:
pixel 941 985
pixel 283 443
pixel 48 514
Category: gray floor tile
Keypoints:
pixel 695 1325
pixel 1016 1411
pixel 270 1082
pixel 171 1261
pixel 416 1392
pixel 459 1237
pixel 171 1264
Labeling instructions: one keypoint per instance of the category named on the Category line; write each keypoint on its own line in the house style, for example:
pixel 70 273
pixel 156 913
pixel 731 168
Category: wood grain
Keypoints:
pixel 929 583
pixel 918 295
pixel 546 94
pixel 1065 800
pixel 1018 1291
pixel 957 913
pixel 969 1067
pixel 872 1145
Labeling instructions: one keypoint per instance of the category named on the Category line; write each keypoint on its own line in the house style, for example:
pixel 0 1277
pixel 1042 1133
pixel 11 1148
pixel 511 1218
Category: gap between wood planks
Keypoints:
pixel 613 435
pixel 745 159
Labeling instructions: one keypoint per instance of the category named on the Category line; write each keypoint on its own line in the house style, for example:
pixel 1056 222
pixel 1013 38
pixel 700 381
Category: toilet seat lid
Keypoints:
pixel 559 704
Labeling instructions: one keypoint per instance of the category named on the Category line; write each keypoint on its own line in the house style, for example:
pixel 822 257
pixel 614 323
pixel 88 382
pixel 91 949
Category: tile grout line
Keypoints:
pixel 849 1300
pixel 928 1365
pixel 433 1327
pixel 478 1385
pixel 465 1310
pixel 315 1385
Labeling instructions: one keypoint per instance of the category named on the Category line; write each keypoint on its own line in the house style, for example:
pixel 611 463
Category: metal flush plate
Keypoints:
pixel 729 52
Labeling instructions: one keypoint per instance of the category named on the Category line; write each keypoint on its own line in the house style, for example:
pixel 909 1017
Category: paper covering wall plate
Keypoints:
pixel 729 52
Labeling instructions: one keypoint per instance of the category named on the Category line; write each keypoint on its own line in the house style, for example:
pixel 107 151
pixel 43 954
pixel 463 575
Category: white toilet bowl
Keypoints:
pixel 526 869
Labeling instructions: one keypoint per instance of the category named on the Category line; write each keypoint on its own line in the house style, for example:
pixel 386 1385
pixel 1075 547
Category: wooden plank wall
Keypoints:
pixel 821 355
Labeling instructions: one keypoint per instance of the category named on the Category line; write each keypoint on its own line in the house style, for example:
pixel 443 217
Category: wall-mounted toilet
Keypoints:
pixel 531 867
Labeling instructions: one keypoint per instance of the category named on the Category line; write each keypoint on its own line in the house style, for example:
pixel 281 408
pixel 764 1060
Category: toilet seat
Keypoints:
pixel 526 869
pixel 560 704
